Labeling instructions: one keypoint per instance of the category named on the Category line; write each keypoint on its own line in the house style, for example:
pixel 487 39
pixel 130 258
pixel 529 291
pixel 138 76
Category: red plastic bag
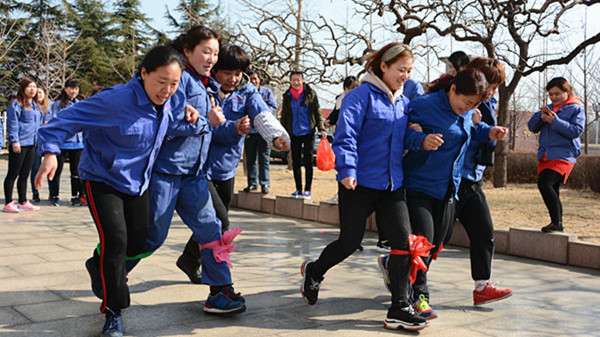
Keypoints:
pixel 325 156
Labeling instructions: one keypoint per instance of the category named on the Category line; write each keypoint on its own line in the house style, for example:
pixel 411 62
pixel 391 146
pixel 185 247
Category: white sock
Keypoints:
pixel 480 284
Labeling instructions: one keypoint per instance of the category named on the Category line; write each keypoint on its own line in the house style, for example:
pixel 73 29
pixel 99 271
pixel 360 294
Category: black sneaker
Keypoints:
pixel 383 246
pixel 190 268
pixel 96 278
pixel 36 197
pixel 250 188
pixel 264 189
pixel 76 202
pixel 113 326
pixel 404 317
pixel 310 286
pixel 55 201
pixel 552 227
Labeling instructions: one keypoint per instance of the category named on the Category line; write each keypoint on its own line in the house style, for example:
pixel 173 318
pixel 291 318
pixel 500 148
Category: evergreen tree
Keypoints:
pixel 193 13
pixel 131 32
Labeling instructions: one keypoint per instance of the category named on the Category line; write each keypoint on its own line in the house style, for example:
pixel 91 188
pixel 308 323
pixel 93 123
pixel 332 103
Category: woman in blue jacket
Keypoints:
pixel 472 209
pixel 368 146
pixel 433 165
pixel 71 148
pixel 125 126
pixel 45 106
pixel 560 125
pixel 23 119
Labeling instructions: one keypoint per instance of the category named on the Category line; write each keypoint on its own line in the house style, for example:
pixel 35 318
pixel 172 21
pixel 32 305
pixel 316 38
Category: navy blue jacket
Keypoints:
pixel 432 172
pixel 369 139
pixel 183 147
pixel 22 125
pixel 471 170
pixel 560 139
pixel 123 134
pixel 226 144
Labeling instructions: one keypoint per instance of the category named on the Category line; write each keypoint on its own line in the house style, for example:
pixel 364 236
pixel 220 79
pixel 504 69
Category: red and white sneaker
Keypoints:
pixel 28 206
pixel 490 293
pixel 11 207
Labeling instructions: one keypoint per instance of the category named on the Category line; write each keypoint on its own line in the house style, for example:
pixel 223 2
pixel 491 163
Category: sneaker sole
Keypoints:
pixel 302 271
pixel 384 274
pixel 382 250
pixel 5 211
pixel 494 300
pixel 212 310
pixel 395 324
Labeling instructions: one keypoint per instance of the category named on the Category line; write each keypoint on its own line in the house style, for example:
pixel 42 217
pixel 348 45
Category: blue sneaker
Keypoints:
pixel 297 194
pixel 382 261
pixel 113 327
pixel 233 295
pixel 222 303
pixel 306 195
pixel 96 278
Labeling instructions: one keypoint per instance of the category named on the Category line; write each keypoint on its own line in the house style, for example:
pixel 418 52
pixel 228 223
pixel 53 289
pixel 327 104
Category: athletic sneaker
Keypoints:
pixel 83 200
pixel 27 206
pixel 11 207
pixel 95 277
pixel 222 303
pixel 383 246
pixel 297 194
pixel 310 287
pixel 233 295
pixel 113 326
pixel 76 202
pixel 190 268
pixel 421 306
pixel 490 293
pixel 404 317
pixel 306 195
pixel 382 261
pixel 552 227
pixel 55 201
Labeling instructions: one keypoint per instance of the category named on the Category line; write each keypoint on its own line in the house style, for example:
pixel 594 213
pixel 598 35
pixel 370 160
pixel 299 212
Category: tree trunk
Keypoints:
pixel 501 147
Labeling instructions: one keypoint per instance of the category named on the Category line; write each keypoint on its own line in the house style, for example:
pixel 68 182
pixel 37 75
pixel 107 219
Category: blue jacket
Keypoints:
pixel 22 125
pixel 368 142
pixel 1 134
pixel 123 134
pixel 432 172
pixel 560 139
pixel 73 143
pixel 471 170
pixel 412 89
pixel 181 152
pixel 269 98
pixel 226 144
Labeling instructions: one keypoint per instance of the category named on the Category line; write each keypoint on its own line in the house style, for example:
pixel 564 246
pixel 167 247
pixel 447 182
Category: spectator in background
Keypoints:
pixel 44 102
pixel 350 83
pixel 23 119
pixel 301 117
pixel 255 146
pixel 458 61
pixel 560 124
pixel 71 148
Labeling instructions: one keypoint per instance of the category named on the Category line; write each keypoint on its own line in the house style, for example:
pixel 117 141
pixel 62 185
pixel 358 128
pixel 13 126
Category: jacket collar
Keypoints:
pixel 373 79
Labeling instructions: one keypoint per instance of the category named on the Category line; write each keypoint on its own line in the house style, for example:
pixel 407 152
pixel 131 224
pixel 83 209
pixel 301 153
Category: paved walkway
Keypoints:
pixel 44 288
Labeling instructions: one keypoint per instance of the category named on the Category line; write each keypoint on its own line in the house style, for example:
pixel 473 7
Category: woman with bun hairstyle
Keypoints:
pixel 368 147
pixel 125 126
pixel 23 119
pixel 560 125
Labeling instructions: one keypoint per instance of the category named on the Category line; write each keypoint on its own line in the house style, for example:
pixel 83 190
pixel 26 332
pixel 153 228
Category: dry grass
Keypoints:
pixel 516 206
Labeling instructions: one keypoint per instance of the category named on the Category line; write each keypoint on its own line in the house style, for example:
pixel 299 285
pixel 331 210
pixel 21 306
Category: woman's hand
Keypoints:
pixel 215 115
pixel 349 183
pixel 16 147
pixel 548 115
pixel 47 169
pixel 191 114
pixel 476 118
pixel 415 126
pixel 243 125
pixel 498 133
pixel 281 143
pixel 432 142
pixel 323 134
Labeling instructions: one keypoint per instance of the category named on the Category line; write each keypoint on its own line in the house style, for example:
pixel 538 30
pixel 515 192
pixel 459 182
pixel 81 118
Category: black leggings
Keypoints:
pixel 76 186
pixel 221 193
pixel 474 214
pixel 548 184
pixel 122 223
pixel 355 206
pixel 431 218
pixel 303 157
pixel 19 165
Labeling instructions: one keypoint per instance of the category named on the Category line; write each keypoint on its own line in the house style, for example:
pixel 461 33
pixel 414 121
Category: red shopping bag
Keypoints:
pixel 325 156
